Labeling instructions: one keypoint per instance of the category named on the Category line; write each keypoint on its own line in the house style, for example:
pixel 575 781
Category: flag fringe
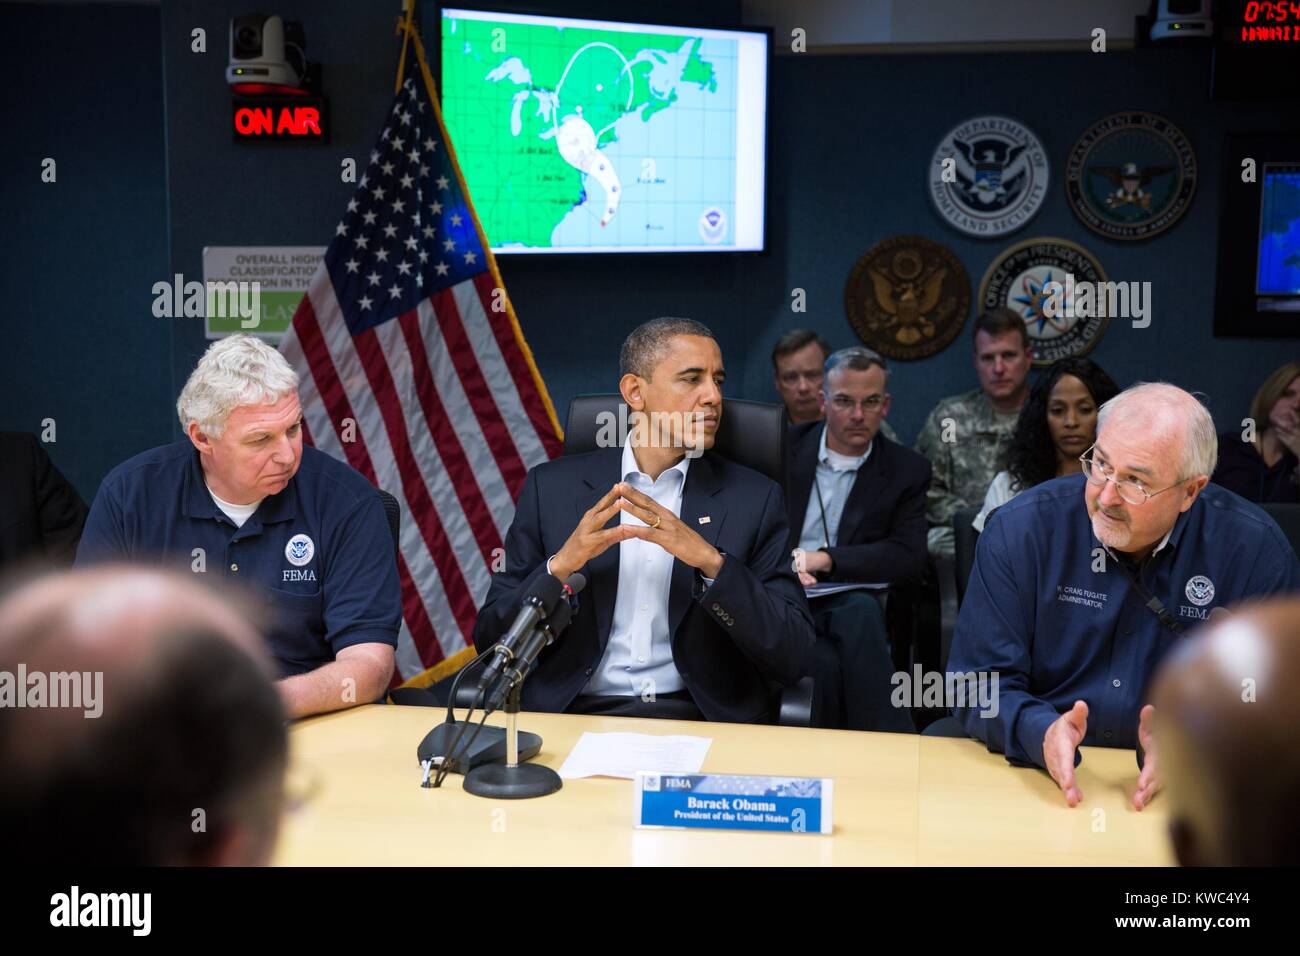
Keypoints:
pixel 441 670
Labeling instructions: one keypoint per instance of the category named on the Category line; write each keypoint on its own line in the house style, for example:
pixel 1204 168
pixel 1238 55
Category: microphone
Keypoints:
pixel 531 647
pixel 535 606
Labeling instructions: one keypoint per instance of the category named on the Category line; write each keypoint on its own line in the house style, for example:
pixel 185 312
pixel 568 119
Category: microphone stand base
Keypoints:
pixel 499 782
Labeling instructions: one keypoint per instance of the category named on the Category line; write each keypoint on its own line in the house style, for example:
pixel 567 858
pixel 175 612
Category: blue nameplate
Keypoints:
pixel 717 801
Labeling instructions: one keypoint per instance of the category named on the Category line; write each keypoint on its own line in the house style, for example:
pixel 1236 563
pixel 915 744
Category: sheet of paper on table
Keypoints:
pixel 622 755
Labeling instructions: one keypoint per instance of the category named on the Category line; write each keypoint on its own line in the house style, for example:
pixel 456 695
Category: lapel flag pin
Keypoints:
pixel 705 520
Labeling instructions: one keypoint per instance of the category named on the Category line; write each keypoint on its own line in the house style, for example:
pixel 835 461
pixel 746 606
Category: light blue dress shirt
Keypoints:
pixel 638 658
pixel 835 476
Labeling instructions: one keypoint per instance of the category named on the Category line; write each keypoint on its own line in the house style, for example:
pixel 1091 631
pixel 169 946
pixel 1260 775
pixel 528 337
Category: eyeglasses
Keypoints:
pixel 1130 489
pixel 871 403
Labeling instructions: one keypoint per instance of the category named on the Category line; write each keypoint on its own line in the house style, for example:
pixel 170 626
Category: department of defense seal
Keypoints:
pixel 988 176
pixel 1037 280
pixel 1131 176
pixel 907 297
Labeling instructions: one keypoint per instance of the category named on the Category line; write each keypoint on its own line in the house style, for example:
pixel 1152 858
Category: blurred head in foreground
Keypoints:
pixel 138 724
pixel 1227 722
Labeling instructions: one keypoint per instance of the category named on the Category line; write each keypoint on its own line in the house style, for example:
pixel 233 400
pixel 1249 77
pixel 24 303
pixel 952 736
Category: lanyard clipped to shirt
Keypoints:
pixel 1153 603
pixel 826 531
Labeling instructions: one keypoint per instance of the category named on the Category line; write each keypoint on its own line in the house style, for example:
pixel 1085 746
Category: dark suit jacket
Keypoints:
pixel 882 530
pixel 41 514
pixel 751 628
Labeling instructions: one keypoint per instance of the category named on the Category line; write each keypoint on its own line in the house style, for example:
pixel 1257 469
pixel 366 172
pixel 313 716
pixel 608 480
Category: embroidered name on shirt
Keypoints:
pixel 292 575
pixel 1073 595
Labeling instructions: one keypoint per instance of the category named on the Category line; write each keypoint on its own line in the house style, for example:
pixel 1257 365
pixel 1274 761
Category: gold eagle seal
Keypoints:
pixel 907 297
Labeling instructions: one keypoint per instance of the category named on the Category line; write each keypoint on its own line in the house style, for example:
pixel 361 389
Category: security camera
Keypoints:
pixel 264 50
pixel 1181 19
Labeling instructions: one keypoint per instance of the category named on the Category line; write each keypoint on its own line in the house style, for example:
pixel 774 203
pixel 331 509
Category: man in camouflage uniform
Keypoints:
pixel 966 436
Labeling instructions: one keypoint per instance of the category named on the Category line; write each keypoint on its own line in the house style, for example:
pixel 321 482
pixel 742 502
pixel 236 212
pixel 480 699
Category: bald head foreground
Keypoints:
pixel 139 725
pixel 1227 726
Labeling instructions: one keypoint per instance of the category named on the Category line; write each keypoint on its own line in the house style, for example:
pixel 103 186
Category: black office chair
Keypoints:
pixel 1288 519
pixel 966 537
pixel 752 434
pixel 953 576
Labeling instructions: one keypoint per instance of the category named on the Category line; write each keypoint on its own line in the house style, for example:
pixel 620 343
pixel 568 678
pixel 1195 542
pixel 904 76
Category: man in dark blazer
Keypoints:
pixel 857 516
pixel 41 514
pixel 692 609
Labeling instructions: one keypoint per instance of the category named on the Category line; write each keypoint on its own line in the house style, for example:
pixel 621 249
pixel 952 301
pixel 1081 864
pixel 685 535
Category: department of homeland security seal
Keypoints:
pixel 1131 175
pixel 299 550
pixel 988 176
pixel 907 297
pixel 1016 279
pixel 1199 590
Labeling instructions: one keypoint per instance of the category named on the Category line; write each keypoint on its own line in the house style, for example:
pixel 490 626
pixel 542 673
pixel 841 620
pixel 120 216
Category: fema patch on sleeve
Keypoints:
pixel 1200 590
pixel 300 550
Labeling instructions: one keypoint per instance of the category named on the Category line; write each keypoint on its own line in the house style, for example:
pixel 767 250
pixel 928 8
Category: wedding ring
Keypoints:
pixel 658 518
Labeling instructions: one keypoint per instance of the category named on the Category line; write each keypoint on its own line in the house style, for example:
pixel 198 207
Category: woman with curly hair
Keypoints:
pixel 1057 424
pixel 1260 464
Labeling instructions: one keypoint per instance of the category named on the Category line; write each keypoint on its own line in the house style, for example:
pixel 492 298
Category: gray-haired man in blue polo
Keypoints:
pixel 241 499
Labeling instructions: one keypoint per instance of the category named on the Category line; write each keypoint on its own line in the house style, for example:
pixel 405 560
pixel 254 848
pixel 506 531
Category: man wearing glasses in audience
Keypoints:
pixel 1083 584
pixel 857 515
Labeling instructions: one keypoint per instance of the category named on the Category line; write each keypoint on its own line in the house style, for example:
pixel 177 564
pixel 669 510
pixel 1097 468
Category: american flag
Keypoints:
pixel 415 372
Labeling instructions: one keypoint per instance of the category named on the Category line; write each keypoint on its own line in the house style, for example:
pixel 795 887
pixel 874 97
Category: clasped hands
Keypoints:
pixel 590 538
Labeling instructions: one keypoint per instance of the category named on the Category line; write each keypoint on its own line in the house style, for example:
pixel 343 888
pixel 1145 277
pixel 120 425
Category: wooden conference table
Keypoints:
pixel 900 799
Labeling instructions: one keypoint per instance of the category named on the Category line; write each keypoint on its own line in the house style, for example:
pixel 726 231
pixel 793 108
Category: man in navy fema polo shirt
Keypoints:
pixel 1082 584
pixel 241 498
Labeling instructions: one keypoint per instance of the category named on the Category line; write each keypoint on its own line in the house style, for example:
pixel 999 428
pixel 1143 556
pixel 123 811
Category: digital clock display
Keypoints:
pixel 1261 22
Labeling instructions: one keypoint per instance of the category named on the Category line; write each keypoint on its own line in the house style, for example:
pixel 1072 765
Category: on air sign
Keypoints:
pixel 300 118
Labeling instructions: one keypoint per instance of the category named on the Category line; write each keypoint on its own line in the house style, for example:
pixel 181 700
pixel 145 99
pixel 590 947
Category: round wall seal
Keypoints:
pixel 1131 176
pixel 988 176
pixel 907 297
pixel 1042 280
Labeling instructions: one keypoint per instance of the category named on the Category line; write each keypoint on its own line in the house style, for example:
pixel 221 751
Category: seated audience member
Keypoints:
pixel 241 499
pixel 966 437
pixel 1227 719
pixel 1259 461
pixel 1081 585
pixel 41 514
pixel 797 361
pixel 857 515
pixel 160 738
pixel 692 609
pixel 1057 423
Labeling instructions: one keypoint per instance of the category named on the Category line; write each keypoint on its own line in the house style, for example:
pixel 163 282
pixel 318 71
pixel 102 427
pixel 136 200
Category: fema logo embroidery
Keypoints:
pixel 299 550
pixel 1200 590
pixel 988 176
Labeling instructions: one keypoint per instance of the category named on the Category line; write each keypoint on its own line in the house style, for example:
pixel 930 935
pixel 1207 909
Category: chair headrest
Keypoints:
pixel 752 434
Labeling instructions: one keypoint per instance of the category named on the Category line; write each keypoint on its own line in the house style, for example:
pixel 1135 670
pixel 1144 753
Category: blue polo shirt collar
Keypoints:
pixel 198 501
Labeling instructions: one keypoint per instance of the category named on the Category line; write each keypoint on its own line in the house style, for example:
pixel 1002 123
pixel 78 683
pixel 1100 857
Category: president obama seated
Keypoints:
pixel 692 610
